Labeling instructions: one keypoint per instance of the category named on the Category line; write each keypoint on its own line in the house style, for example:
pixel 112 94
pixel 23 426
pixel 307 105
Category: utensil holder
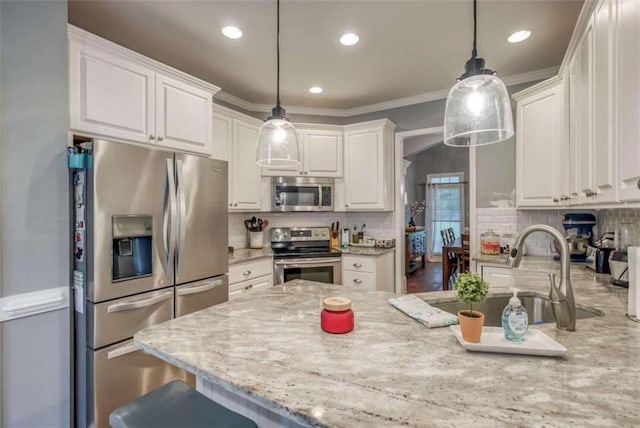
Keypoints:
pixel 256 240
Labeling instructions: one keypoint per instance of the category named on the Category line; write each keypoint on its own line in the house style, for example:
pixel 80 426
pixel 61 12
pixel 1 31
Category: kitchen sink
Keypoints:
pixel 538 308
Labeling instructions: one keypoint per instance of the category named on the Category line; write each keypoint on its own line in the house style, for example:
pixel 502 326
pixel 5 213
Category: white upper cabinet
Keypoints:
pixel 603 102
pixel 576 133
pixel 109 95
pixel 183 115
pixel 628 91
pixel 603 73
pixel 368 166
pixel 247 192
pixel 321 152
pixel 581 128
pixel 235 139
pixel 542 145
pixel 117 93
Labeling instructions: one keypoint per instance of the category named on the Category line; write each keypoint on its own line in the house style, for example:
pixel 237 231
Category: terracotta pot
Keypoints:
pixel 471 327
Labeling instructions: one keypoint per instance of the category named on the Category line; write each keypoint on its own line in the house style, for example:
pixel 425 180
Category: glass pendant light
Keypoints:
pixel 277 138
pixel 478 110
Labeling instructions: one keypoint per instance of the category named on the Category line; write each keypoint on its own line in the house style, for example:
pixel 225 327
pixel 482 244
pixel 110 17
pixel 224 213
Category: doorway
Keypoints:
pixel 452 183
pixel 445 209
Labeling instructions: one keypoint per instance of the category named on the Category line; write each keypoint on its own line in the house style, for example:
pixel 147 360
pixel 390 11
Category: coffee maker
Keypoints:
pixel 578 228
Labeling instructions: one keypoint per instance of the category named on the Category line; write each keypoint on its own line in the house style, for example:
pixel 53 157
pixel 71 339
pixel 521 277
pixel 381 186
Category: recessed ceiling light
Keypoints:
pixel 519 36
pixel 315 90
pixel 349 39
pixel 232 32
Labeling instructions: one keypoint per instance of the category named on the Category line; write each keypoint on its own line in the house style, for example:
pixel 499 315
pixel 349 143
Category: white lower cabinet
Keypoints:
pixel 238 289
pixel 250 276
pixel 497 276
pixel 368 273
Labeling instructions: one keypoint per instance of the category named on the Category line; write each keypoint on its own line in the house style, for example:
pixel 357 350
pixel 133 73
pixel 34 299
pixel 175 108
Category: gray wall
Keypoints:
pixel 496 174
pixel 35 237
pixel 435 160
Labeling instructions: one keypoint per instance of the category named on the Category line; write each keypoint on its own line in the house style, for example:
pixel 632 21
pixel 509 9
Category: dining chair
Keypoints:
pixel 465 256
pixel 450 258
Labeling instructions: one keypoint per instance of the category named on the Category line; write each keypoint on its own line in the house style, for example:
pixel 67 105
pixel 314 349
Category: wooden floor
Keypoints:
pixel 428 278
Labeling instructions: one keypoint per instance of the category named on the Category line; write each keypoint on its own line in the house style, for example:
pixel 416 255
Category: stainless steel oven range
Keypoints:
pixel 305 253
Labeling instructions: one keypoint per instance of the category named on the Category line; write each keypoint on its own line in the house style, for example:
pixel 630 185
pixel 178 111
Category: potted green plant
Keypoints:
pixel 470 288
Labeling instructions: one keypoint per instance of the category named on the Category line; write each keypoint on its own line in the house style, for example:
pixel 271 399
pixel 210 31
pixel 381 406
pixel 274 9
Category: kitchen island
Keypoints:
pixel 265 355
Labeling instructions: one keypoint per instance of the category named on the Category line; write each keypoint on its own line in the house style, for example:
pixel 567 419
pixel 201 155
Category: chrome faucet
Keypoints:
pixel 564 306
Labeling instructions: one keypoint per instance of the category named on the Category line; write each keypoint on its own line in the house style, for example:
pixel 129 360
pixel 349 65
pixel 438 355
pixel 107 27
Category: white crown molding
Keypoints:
pixel 516 79
pixel 578 31
pixel 86 38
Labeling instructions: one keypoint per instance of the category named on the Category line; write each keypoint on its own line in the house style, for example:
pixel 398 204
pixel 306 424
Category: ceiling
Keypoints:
pixel 407 48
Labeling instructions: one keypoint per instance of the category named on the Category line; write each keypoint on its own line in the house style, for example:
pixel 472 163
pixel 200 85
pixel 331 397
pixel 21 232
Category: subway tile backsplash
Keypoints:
pixel 379 225
pixel 511 220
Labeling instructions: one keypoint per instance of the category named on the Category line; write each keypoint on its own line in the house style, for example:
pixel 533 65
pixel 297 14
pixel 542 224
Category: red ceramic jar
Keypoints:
pixel 337 316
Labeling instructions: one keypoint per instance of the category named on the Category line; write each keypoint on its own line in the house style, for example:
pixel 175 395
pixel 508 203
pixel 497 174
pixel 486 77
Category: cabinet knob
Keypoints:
pixel 246 272
pixel 160 138
pixel 300 173
pixel 357 281
pixel 152 137
pixel 235 205
pixel 346 205
pixel 556 200
pixel 306 172
pixel 248 287
pixel 638 184
pixel 358 265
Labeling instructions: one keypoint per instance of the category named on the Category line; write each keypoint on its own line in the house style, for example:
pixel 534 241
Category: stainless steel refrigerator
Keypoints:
pixel 150 243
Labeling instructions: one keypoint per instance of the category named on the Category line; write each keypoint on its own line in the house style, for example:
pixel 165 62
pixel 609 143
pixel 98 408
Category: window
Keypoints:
pixel 445 208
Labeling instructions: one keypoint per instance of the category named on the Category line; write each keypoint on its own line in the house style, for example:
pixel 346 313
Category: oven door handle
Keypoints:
pixel 307 262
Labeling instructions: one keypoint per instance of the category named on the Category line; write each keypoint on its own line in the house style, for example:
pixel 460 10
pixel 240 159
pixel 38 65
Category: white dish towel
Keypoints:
pixel 423 312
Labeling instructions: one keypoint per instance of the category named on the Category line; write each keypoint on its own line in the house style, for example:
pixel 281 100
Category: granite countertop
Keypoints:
pixel 392 371
pixel 246 254
pixel 364 251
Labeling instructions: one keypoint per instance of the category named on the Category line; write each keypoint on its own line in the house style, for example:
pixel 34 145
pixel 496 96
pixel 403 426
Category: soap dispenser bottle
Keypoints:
pixel 515 321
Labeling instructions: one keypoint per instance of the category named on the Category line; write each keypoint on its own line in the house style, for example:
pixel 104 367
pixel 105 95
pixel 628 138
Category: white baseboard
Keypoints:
pixel 37 302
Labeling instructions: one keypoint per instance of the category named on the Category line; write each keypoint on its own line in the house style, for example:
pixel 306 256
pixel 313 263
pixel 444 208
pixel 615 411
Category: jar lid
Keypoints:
pixel 336 304
pixel 490 234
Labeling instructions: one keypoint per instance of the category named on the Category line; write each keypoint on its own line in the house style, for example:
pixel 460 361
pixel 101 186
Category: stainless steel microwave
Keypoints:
pixel 302 194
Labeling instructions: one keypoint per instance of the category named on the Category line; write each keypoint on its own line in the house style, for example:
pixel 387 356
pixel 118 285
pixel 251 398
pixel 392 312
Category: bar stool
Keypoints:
pixel 173 405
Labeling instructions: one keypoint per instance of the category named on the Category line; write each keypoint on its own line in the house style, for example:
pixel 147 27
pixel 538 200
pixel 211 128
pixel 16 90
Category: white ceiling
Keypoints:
pixel 406 48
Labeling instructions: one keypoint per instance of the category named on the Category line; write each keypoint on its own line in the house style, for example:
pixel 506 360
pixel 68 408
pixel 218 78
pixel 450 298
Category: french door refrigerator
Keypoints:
pixel 150 243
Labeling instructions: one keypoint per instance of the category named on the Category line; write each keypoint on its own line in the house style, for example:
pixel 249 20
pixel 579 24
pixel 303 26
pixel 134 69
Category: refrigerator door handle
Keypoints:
pixel 199 289
pixel 168 223
pixel 129 306
pixel 123 350
pixel 182 203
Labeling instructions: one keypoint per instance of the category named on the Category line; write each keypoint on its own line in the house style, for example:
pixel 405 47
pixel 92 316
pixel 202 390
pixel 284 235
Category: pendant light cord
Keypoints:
pixel 474 53
pixel 278 54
